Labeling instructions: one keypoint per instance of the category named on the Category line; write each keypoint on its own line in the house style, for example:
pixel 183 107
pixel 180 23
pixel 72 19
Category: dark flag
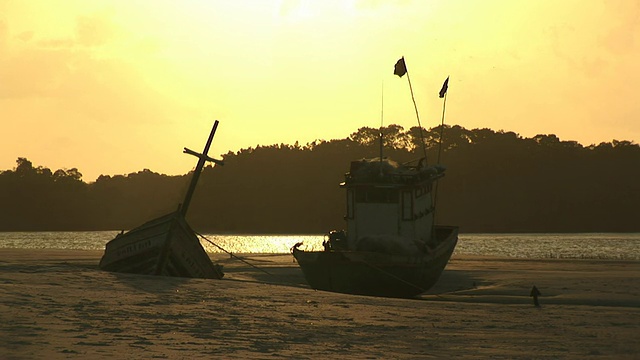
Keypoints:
pixel 445 86
pixel 400 69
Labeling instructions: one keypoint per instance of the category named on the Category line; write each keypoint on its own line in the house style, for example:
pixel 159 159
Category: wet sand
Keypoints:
pixel 57 304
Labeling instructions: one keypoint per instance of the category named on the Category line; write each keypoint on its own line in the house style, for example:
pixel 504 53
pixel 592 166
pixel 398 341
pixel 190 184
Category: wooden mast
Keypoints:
pixel 202 159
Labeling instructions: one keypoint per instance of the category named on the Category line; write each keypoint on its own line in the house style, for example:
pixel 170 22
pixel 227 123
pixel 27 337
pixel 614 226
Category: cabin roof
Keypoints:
pixel 388 173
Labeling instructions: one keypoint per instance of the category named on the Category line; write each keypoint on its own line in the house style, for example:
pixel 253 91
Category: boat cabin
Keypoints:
pixel 389 201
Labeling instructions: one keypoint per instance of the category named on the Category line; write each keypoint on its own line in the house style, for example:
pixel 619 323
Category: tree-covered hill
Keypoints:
pixel 496 181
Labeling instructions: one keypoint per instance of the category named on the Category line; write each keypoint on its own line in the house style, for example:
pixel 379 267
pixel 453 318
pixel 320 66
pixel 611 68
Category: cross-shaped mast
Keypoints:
pixel 202 159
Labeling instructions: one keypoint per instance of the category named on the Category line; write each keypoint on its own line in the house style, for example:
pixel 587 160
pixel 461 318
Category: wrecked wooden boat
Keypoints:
pixel 165 246
pixel 391 247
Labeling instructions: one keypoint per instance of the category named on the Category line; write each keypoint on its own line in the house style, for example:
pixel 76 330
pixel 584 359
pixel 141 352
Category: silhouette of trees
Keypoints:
pixel 35 198
pixel 394 137
pixel 497 181
pixel 122 202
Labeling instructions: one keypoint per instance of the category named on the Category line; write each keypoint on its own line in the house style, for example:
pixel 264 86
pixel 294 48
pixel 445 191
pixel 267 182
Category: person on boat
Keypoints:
pixel 337 241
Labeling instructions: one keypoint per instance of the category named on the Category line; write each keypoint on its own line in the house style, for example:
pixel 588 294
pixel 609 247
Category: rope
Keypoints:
pixel 268 273
pixel 393 276
pixel 232 255
pixel 398 278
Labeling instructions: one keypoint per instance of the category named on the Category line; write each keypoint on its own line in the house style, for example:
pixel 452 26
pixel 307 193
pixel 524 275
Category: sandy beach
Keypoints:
pixel 57 304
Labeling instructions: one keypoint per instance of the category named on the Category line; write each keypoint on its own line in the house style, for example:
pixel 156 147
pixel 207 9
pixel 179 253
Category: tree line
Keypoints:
pixel 496 181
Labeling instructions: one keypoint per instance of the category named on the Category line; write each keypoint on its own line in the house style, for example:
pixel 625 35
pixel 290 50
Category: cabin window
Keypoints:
pixel 407 205
pixel 350 204
pixel 377 195
pixel 423 190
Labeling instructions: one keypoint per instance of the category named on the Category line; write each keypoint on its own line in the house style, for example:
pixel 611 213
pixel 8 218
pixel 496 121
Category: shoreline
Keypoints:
pixel 57 304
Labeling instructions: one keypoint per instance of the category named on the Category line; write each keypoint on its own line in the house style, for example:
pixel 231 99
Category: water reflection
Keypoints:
pixel 534 246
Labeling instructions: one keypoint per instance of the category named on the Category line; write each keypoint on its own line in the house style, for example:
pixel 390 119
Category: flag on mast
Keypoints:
pixel 401 68
pixel 445 86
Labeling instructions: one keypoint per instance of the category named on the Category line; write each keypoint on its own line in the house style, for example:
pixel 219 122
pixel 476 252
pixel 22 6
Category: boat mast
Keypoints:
pixel 381 124
pixel 202 159
pixel 400 70
pixel 443 94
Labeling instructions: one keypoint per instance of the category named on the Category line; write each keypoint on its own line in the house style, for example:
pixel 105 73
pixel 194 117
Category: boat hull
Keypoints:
pixel 377 274
pixel 166 246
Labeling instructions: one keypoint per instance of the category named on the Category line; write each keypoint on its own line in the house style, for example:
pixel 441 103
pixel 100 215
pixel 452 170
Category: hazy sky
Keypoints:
pixel 112 87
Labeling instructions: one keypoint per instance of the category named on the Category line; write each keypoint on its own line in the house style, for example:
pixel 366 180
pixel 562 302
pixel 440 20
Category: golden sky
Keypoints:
pixel 112 87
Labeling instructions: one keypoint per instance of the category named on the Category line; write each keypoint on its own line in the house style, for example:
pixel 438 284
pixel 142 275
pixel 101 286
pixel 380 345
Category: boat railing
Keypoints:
pixel 398 178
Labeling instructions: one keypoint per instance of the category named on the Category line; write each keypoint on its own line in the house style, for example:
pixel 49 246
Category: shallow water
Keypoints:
pixel 534 246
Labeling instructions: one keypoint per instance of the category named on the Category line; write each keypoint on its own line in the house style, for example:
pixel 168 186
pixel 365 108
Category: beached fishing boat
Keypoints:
pixel 165 246
pixel 391 246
